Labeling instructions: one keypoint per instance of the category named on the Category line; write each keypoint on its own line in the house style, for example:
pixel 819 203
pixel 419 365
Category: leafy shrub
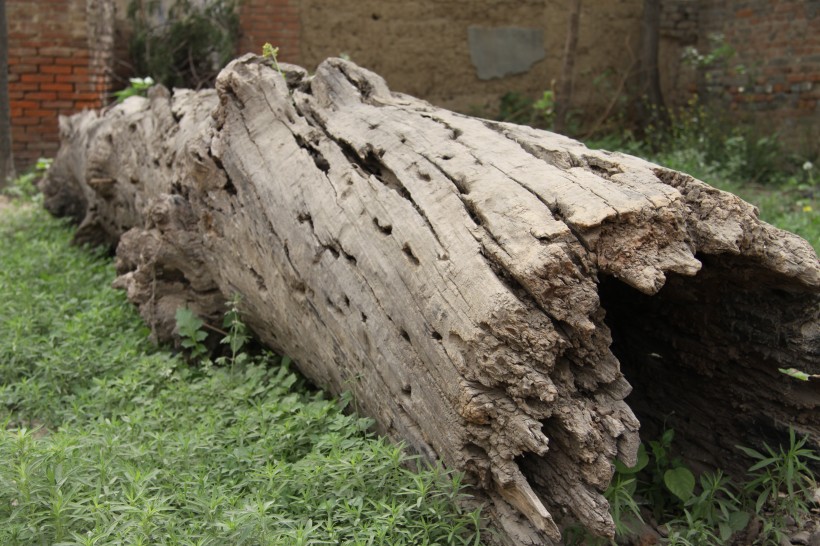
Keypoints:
pixel 185 46
pixel 519 108
pixel 24 187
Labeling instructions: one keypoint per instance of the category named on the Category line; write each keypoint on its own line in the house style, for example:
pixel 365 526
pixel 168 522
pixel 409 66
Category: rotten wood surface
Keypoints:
pixel 461 277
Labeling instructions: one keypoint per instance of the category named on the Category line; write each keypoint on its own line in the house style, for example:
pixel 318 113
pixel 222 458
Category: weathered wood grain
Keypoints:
pixel 448 271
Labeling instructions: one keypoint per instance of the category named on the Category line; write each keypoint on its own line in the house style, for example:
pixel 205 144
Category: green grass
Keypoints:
pixel 109 440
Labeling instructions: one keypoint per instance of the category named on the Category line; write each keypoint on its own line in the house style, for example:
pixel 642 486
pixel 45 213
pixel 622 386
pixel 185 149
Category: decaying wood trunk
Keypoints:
pixel 460 277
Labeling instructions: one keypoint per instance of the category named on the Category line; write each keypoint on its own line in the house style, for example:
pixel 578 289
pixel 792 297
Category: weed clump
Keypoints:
pixel 660 491
pixel 106 439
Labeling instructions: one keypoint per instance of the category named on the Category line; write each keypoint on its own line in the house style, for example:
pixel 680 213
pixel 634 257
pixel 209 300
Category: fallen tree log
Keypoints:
pixel 460 277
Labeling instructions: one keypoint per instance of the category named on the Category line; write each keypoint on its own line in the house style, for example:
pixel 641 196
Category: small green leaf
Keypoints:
pixel 795 373
pixel 738 520
pixel 680 481
pixel 768 461
pixel 187 323
pixel 630 486
pixel 761 500
pixel 725 531
pixel 269 51
pixel 751 452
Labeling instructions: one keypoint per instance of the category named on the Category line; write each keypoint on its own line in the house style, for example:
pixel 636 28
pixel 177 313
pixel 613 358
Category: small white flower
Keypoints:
pixel 149 81
pixel 807 166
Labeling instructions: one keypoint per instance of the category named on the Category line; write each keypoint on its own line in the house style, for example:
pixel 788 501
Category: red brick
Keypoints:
pixel 22 104
pixel 74 60
pixel 71 78
pixel 87 96
pixel 16 34
pixel 22 52
pixel 56 51
pixel 39 113
pixel 40 60
pixel 57 104
pixel 57 36
pixel 25 137
pixel 22 68
pixel 85 87
pixel 55 69
pixel 19 86
pixel 45 126
pixel 92 105
pixel 42 96
pixel 56 87
pixel 37 78
pixel 35 44
pixel 25 121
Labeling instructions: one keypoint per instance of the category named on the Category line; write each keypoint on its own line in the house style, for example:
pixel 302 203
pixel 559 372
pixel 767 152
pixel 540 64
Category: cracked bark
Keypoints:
pixel 462 278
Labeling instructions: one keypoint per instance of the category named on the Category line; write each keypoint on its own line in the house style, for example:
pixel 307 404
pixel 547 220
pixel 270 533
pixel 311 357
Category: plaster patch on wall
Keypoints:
pixel 503 51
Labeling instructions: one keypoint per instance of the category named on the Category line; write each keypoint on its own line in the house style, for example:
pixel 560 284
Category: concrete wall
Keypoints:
pixel 422 48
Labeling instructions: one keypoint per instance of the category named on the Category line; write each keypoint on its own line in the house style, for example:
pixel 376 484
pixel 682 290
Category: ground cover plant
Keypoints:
pixel 765 506
pixel 771 503
pixel 661 499
pixel 106 439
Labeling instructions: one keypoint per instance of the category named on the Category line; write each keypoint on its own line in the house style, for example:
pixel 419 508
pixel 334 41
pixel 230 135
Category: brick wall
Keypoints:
pixel 778 44
pixel 275 21
pixel 57 65
pixel 60 54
